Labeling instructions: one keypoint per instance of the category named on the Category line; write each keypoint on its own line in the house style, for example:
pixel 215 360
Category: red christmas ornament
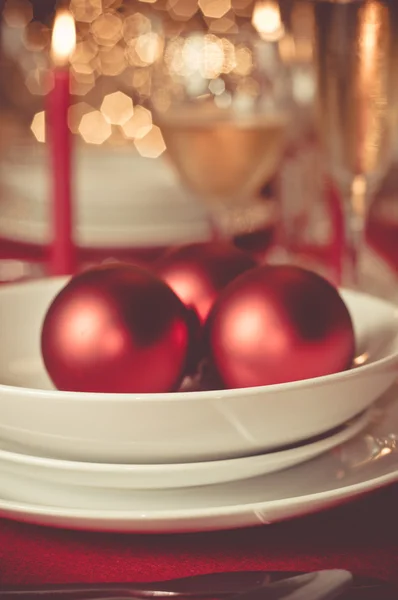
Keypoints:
pixel 118 329
pixel 198 272
pixel 277 324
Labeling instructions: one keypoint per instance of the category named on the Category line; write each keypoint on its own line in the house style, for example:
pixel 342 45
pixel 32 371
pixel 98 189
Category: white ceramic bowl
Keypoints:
pixel 101 476
pixel 179 427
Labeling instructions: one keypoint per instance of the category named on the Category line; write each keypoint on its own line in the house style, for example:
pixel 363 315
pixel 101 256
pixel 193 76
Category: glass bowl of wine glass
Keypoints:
pixel 224 106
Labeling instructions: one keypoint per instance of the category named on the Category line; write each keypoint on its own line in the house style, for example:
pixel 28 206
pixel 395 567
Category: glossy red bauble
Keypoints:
pixel 198 272
pixel 118 329
pixel 277 324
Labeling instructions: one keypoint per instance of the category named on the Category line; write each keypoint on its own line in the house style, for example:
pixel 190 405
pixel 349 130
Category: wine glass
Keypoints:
pixel 356 51
pixel 223 104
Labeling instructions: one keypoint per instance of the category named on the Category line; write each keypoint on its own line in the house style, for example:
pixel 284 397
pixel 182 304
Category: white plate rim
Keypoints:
pixel 198 514
pixel 347 431
pixel 120 237
pixel 178 397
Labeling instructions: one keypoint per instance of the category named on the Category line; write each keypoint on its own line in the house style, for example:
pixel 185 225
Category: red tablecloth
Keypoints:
pixel 361 537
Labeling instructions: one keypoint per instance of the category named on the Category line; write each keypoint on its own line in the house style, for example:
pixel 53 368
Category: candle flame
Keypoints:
pixel 63 38
pixel 267 20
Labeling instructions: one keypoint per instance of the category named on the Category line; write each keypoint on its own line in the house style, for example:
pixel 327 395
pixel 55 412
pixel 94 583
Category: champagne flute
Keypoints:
pixel 222 103
pixel 357 71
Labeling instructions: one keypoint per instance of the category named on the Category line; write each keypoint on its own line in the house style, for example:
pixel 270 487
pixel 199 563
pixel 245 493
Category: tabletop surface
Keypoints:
pixel 361 537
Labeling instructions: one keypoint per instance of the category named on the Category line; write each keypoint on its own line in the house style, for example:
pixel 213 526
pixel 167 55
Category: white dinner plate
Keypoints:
pixel 122 200
pixel 183 426
pixel 363 464
pixel 169 476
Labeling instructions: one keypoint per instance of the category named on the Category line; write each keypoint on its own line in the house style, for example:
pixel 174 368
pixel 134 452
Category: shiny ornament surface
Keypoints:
pixel 198 272
pixel 117 329
pixel 277 324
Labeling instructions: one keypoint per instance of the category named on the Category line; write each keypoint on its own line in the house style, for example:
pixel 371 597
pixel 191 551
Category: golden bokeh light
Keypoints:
pixel 17 13
pixel 112 61
pixel 152 145
pixel 229 51
pixel 217 86
pixel 76 113
pixel 94 128
pixel 107 29
pixel 243 61
pixel 132 56
pixel 86 11
pixel 119 41
pixel 38 82
pixel 223 101
pixel 111 4
pixel 136 25
pixel 38 126
pixel 81 83
pixel 82 69
pixel 267 20
pixel 36 36
pixel 204 55
pixel 84 53
pixel 139 125
pixel 243 8
pixel 141 79
pixel 149 47
pixel 182 9
pixel 225 24
pixel 161 100
pixel 117 108
pixel 214 8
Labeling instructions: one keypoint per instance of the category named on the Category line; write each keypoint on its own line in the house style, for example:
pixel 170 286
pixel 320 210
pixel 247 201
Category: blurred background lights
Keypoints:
pixel 225 24
pixel 139 125
pixel 149 47
pixel 217 86
pixel 136 25
pixel 119 41
pixel 112 61
pixel 76 113
pixel 94 128
pixel 243 61
pixel 267 20
pixel 201 54
pixel 38 126
pixel 117 108
pixel 152 144
pixel 81 83
pixel 113 4
pixel 86 11
pixel 182 9
pixel 84 53
pixel 36 36
pixel 17 13
pixel 107 29
pixel 214 8
pixel 38 81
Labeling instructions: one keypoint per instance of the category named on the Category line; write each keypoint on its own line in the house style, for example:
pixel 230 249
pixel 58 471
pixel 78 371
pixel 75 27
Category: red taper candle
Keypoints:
pixel 62 250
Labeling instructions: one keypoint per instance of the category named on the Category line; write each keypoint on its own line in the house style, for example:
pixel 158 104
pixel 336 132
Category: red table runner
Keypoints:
pixel 361 537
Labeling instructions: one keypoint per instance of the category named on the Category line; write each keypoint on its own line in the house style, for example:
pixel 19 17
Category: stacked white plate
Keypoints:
pixel 122 200
pixel 191 461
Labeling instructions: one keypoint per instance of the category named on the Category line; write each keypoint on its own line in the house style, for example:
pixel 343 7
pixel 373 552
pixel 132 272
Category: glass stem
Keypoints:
pixel 355 202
